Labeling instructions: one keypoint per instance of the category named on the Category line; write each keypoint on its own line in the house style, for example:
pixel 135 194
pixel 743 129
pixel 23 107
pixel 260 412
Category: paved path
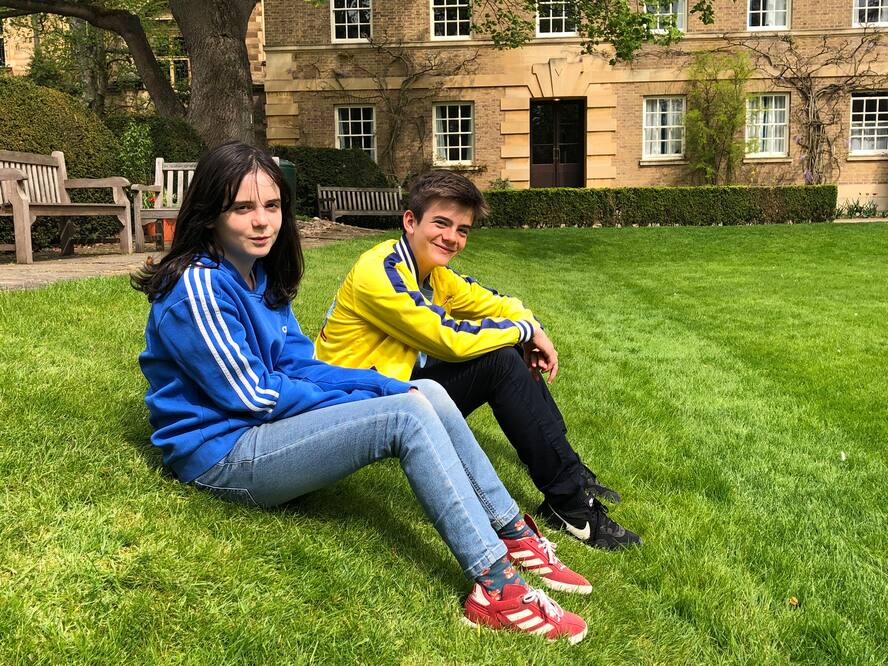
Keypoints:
pixel 91 264
pixel 46 271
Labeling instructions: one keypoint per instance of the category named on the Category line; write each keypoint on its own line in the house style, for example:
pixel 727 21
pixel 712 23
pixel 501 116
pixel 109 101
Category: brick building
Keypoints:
pixel 547 114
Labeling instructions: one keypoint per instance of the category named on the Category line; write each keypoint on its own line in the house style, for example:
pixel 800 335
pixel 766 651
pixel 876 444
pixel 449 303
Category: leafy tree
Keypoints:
pixel 77 58
pixel 623 24
pixel 214 34
pixel 716 115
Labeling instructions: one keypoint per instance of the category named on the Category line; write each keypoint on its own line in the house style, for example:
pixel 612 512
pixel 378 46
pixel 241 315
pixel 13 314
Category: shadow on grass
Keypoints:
pixel 397 531
pixel 348 500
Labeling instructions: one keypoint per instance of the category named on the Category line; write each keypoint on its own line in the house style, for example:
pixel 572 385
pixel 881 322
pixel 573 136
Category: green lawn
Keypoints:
pixel 715 376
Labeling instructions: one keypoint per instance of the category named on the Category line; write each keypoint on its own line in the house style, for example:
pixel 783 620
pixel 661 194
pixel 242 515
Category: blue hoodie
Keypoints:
pixel 219 361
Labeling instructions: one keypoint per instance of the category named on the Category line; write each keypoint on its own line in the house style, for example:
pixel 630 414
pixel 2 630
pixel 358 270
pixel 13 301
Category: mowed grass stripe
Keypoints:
pixel 695 379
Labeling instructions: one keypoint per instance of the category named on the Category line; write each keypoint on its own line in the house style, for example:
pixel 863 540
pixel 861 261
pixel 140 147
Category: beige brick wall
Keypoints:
pixel 18 49
pixel 302 90
pixel 256 43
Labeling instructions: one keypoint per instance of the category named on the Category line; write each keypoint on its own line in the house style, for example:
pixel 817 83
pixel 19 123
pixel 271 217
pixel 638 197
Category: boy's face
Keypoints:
pixel 440 235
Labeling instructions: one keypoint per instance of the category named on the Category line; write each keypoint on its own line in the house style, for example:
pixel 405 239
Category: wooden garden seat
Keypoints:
pixel 32 185
pixel 339 201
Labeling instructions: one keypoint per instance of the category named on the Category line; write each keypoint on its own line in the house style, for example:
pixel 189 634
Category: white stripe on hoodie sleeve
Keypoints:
pixel 190 273
pixel 232 364
pixel 246 364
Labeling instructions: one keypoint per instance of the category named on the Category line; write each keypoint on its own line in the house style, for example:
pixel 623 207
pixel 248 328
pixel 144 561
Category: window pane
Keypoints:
pixel 555 17
pixel 869 122
pixel 663 129
pixel 451 18
pixel 356 129
pixel 766 124
pixel 453 133
pixel 351 19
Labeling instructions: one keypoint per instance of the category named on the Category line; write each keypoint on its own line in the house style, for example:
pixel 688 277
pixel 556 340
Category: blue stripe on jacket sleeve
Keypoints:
pixel 471 280
pixel 397 282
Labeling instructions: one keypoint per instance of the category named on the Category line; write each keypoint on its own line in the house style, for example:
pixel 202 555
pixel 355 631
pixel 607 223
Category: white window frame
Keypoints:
pixel 645 127
pixel 680 15
pixel 855 15
pixel 339 136
pixel 565 4
pixel 345 40
pixel 880 127
pixel 774 127
pixel 449 38
pixel 435 134
pixel 767 28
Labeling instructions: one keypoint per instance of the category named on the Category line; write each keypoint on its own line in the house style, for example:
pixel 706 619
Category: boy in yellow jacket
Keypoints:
pixel 403 311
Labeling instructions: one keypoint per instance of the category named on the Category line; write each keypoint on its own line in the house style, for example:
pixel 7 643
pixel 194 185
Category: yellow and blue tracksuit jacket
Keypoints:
pixel 380 319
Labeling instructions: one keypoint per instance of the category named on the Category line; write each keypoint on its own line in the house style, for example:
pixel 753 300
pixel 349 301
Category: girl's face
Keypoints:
pixel 247 230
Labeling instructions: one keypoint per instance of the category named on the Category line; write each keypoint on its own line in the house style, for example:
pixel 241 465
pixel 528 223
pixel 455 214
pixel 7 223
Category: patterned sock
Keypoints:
pixel 515 529
pixel 498 575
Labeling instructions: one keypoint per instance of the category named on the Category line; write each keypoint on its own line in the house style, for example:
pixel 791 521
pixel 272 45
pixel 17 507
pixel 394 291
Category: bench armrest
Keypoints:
pixel 146 188
pixel 81 183
pixel 12 174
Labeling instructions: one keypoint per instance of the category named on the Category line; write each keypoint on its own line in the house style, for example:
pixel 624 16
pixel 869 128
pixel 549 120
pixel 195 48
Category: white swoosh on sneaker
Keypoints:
pixel 582 535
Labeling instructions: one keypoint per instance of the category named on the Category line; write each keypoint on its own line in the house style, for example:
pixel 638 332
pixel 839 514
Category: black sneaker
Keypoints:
pixel 590 524
pixel 593 488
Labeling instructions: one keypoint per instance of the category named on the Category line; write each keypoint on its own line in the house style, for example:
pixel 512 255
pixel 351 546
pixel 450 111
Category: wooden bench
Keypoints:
pixel 339 201
pixel 32 185
pixel 164 198
pixel 171 181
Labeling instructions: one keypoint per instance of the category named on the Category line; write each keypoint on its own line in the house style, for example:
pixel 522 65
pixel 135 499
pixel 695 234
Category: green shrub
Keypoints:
pixel 40 120
pixel 329 166
pixel 642 206
pixel 170 138
pixel 137 154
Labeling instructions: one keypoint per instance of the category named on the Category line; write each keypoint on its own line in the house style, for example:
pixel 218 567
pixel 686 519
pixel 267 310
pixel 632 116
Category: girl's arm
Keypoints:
pixel 207 340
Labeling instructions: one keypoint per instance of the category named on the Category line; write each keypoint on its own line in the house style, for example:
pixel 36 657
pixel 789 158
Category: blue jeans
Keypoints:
pixel 449 473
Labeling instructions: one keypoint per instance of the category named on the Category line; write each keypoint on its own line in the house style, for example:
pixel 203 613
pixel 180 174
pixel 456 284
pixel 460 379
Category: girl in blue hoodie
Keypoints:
pixel 241 409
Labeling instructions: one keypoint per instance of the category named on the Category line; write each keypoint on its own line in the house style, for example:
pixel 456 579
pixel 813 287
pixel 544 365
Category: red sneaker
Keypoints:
pixel 524 609
pixel 537 555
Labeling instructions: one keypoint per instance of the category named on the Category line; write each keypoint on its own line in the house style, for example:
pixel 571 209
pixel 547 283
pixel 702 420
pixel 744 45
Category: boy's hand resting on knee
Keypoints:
pixel 540 355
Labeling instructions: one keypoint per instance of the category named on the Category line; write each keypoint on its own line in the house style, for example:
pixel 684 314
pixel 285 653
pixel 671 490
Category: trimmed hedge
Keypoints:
pixel 329 166
pixel 40 120
pixel 643 206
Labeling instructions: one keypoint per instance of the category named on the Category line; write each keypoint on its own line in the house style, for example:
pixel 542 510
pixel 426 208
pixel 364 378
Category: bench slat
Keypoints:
pixel 70 209
pixel 26 158
pixel 170 177
pixel 180 187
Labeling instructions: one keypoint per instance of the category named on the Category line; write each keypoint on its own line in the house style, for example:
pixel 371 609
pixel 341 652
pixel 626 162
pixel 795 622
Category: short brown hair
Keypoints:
pixel 442 184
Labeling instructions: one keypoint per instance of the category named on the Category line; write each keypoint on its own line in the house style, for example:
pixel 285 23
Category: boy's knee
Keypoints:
pixel 505 360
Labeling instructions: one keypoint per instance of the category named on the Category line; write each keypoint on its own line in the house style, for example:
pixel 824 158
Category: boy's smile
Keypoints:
pixel 440 235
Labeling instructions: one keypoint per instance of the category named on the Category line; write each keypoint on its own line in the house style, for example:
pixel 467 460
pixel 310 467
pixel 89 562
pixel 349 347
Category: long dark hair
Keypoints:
pixel 212 191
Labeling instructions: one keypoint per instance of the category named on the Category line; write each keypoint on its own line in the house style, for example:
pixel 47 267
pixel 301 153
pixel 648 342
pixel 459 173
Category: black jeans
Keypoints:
pixel 524 409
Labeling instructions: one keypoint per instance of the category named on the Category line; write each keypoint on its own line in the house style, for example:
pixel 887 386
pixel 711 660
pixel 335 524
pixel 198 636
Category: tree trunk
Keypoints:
pixel 215 33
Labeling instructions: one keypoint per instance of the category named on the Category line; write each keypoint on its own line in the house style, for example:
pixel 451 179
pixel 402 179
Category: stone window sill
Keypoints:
pixel 472 168
pixel 752 159
pixel 671 162
pixel 868 158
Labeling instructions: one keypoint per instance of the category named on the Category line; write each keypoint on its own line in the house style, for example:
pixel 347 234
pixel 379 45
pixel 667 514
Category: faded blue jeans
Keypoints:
pixel 449 473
